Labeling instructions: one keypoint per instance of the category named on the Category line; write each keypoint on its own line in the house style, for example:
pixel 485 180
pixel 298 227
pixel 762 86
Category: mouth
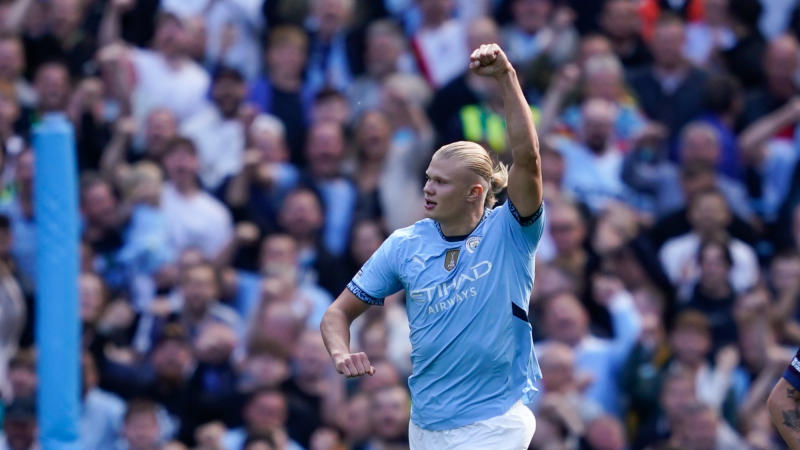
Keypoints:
pixel 429 205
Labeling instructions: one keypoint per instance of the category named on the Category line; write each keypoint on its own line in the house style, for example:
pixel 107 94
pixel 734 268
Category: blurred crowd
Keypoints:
pixel 239 160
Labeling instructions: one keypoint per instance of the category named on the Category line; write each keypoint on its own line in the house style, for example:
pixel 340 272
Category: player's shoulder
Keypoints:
pixel 418 229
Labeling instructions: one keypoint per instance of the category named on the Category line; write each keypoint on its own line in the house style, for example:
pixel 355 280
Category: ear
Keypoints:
pixel 475 193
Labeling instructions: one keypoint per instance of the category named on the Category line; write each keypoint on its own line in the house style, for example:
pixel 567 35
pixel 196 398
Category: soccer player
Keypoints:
pixel 467 270
pixel 784 404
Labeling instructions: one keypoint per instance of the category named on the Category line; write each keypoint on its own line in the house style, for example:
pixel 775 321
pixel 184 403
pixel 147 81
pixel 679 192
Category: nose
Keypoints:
pixel 428 188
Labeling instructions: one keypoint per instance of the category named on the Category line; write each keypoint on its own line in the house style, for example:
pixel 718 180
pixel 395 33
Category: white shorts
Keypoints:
pixel 510 431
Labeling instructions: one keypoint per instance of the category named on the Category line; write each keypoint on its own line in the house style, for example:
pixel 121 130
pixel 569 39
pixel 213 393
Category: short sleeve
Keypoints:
pixel 525 232
pixel 378 277
pixel 792 373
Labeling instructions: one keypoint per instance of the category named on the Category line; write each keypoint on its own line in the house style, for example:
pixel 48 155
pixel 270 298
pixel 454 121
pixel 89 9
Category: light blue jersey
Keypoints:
pixel 467 302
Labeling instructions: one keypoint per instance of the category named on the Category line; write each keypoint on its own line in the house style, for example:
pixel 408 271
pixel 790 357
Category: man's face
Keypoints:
pixel 141 431
pixel 713 265
pixel 709 214
pixel 391 412
pixel 286 58
pixel 531 15
pixel 677 395
pixel 160 128
pixel 170 360
pixel 448 185
pixel 699 431
pixel 90 289
pixel 781 63
pixel 181 165
pixel 435 10
pixel 332 15
pixel 11 59
pixel 373 135
pixel 620 19
pixel 567 229
pixel 565 320
pixel 325 150
pixel 301 215
pixel 20 434
pixel 265 413
pixel 598 125
pixel 52 88
pixel 99 205
pixel 700 146
pixel 311 358
pixel 367 237
pixel 228 94
pixel 170 36
pixel 382 53
pixel 784 271
pixel 199 288
pixel 65 15
pixel 557 369
pixel 667 45
pixel 605 434
pixel 690 346
pixel 279 249
pixel 23 381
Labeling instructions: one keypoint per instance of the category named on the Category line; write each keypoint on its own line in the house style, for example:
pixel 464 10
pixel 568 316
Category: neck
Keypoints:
pixel 676 69
pixel 462 226
pixel 716 290
pixel 186 188
pixel 285 82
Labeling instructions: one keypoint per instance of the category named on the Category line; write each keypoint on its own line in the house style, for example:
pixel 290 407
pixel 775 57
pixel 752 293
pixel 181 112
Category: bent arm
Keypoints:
pixel 335 326
pixel 784 411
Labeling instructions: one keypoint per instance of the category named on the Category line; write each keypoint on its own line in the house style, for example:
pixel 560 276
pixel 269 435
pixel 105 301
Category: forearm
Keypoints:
pixel 757 134
pixel 113 157
pixel 335 328
pixel 17 14
pixel 110 29
pixel 519 122
pixel 784 411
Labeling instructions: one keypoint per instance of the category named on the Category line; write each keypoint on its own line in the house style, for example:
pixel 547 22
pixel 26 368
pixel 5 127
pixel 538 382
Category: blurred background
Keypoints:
pixel 240 159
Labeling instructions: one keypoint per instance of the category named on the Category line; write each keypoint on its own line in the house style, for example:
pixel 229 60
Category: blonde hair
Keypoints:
pixel 478 160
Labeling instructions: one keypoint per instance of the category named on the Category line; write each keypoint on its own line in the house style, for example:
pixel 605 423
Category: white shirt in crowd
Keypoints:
pixel 198 221
pixel 219 142
pixel 678 256
pixel 181 88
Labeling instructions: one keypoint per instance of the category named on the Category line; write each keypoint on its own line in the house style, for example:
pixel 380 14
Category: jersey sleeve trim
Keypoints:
pixel 528 220
pixel 792 373
pixel 362 295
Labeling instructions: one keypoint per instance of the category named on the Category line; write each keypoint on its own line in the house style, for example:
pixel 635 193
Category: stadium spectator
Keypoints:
pixel 242 159
pixel 709 216
pixel 567 321
pixel 217 129
pixel 20 430
pixel 183 200
pixel 670 91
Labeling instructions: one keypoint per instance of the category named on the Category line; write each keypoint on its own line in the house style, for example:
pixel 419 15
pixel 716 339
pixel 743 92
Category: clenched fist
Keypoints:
pixel 489 61
pixel 353 364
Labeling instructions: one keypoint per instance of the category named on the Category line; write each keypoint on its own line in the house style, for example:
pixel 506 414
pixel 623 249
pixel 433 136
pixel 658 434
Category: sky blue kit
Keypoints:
pixel 467 302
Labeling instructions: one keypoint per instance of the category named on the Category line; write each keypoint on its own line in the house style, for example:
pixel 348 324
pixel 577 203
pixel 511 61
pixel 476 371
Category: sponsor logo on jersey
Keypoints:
pixel 457 286
pixel 472 243
pixel 451 258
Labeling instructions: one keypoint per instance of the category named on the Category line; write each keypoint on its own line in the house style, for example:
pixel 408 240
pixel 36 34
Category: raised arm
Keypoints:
pixel 335 328
pixel 525 175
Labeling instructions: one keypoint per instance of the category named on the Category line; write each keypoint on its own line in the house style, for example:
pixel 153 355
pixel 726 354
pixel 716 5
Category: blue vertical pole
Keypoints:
pixel 57 323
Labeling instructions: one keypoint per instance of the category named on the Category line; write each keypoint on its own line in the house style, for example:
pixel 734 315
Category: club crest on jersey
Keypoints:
pixel 451 258
pixel 472 243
